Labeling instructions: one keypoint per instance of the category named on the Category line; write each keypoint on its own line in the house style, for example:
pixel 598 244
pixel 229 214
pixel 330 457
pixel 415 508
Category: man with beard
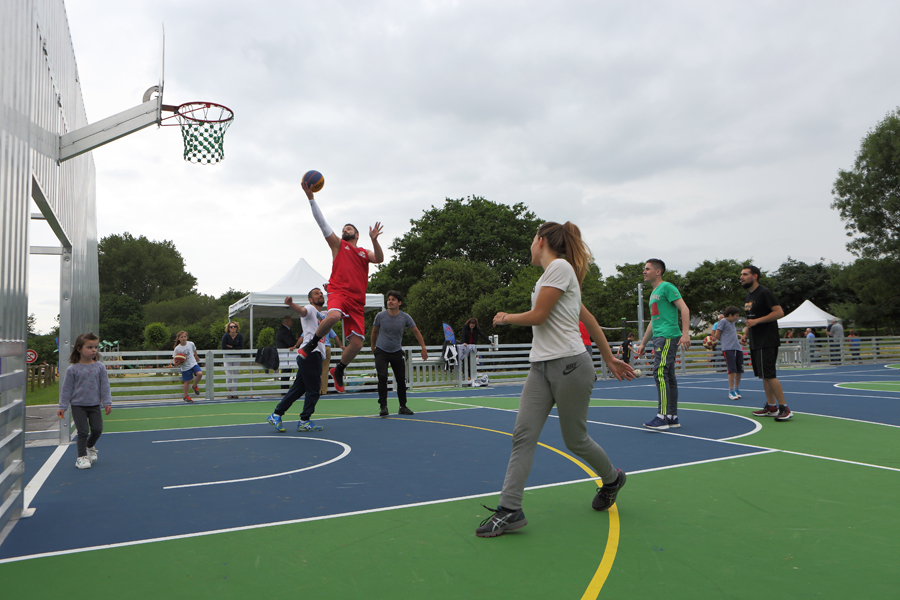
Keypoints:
pixel 763 311
pixel 346 288
pixel 309 370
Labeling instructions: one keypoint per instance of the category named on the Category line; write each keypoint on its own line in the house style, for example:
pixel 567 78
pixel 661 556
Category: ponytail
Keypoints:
pixel 566 241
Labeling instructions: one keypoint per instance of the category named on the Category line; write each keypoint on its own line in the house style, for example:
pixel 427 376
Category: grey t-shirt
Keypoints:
pixel 837 330
pixel 728 335
pixel 390 330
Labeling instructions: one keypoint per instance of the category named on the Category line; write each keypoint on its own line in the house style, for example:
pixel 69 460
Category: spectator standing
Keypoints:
pixel 232 340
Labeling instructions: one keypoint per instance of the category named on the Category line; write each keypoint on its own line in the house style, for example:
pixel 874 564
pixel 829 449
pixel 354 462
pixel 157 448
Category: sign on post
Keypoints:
pixel 30 356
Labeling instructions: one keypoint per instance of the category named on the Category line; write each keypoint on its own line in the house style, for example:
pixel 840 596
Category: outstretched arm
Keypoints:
pixel 376 255
pixel 295 307
pixel 334 242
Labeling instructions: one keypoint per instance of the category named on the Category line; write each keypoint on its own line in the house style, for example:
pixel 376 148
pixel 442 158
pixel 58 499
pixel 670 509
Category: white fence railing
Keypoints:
pixel 139 376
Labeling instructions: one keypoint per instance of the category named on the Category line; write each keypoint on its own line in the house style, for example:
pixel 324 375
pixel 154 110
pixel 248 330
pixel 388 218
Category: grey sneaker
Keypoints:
pixel 92 454
pixel 606 496
pixel 501 521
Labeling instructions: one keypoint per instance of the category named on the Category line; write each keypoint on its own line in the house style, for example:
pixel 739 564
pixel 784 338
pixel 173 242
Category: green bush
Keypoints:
pixel 157 337
pixel 266 338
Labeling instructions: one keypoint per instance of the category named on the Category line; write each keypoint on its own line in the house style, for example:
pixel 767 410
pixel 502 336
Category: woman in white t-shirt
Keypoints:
pixel 561 373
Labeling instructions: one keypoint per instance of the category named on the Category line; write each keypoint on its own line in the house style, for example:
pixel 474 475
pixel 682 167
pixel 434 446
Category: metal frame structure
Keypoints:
pixel 40 103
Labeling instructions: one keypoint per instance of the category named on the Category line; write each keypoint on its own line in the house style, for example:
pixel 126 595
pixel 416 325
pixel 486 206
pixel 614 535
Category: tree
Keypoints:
pixel 795 281
pixel 714 286
pixel 473 229
pixel 145 270
pixel 876 283
pixel 512 298
pixel 266 338
pixel 157 337
pixel 32 326
pixel 868 196
pixel 447 293
pixel 122 320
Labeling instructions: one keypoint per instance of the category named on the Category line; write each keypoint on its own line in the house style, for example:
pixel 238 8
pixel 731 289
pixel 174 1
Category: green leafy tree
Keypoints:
pixel 446 293
pixel 868 196
pixel 32 326
pixel 45 346
pixel 122 320
pixel 796 281
pixel 157 337
pixel 472 229
pixel 512 298
pixel 266 338
pixel 142 269
pixel 714 286
pixel 876 284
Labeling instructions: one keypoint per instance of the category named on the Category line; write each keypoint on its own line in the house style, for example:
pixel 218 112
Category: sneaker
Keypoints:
pixel 83 462
pixel 502 520
pixel 188 400
pixel 673 422
pixel 657 422
pixel 784 413
pixel 767 410
pixel 275 421
pixel 405 411
pixel 732 395
pixel 606 496
pixel 737 394
pixel 308 426
pixel 196 389
pixel 92 454
pixel 384 411
pixel 338 380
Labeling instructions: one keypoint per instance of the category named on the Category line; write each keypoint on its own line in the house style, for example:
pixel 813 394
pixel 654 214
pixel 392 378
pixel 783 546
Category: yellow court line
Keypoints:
pixel 612 540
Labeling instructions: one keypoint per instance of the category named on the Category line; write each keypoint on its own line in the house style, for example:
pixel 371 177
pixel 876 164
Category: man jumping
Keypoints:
pixel 346 288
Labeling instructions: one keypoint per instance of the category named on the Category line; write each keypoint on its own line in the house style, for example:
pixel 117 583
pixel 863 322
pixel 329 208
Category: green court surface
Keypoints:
pixel 875 386
pixel 797 522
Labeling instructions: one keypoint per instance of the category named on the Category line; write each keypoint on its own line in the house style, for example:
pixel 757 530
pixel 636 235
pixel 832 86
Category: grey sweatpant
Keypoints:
pixel 567 382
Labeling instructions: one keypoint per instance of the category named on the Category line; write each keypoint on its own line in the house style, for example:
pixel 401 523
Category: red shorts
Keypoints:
pixel 352 311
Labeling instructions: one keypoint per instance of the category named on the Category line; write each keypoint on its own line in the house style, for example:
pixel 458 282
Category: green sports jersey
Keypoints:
pixel 663 312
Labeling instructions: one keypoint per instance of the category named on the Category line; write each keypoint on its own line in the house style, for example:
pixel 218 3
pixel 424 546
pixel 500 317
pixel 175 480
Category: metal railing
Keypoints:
pixel 150 376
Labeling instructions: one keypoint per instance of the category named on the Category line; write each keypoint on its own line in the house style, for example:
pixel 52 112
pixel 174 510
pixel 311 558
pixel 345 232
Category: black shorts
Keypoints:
pixel 734 360
pixel 764 360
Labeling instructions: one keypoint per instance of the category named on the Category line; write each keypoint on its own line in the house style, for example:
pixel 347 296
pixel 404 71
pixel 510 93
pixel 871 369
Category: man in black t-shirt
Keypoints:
pixel 763 311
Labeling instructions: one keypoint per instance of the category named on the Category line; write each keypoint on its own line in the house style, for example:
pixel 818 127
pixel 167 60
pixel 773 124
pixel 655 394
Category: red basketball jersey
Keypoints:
pixel 350 271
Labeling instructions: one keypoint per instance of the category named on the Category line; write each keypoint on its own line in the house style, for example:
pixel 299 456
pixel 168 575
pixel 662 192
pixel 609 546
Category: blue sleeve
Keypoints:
pixel 225 339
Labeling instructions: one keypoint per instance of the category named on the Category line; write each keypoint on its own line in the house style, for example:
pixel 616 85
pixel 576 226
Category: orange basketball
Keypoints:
pixel 179 359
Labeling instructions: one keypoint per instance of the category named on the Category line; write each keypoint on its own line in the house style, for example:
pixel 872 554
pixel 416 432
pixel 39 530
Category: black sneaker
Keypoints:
pixel 384 411
pixel 405 411
pixel 606 496
pixel 502 520
pixel 784 413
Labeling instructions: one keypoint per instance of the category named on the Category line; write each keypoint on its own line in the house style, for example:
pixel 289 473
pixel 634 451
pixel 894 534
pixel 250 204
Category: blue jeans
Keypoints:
pixel 308 381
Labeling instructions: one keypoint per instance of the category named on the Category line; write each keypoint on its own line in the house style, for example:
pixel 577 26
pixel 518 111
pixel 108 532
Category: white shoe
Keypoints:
pixel 83 462
pixel 92 454
pixel 732 395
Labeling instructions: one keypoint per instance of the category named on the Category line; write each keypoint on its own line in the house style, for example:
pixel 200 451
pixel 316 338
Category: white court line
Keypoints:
pixel 263 437
pixel 786 392
pixel 34 486
pixel 337 516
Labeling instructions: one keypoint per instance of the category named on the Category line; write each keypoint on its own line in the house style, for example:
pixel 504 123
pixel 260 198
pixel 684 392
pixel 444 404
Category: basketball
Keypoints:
pixel 314 181
pixel 179 359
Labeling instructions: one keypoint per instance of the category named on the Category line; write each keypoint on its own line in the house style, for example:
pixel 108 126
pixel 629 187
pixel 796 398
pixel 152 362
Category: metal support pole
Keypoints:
pixel 210 373
pixel 640 308
pixel 66 335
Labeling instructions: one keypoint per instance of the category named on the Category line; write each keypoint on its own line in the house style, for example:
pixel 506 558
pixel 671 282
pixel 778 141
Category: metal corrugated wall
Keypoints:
pixel 40 99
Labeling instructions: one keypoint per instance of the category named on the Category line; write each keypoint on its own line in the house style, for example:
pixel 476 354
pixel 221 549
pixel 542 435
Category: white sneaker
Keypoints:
pixel 92 454
pixel 732 395
pixel 83 462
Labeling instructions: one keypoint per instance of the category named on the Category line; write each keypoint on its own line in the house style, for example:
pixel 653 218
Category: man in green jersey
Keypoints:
pixel 665 305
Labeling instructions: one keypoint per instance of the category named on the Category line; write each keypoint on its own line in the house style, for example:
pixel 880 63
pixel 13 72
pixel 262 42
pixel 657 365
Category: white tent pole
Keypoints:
pixel 251 327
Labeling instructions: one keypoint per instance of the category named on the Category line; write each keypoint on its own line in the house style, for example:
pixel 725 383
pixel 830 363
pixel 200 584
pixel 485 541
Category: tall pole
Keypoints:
pixel 640 308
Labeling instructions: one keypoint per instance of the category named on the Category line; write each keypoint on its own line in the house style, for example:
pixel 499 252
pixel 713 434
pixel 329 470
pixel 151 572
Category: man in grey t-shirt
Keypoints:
pixel 731 348
pixel 836 333
pixel 387 342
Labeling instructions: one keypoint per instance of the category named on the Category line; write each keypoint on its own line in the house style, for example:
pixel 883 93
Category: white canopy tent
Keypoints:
pixel 806 315
pixel 297 283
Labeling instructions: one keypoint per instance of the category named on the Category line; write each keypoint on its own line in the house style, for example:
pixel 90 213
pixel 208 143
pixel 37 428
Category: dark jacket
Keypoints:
pixel 284 338
pixel 236 344
pixel 470 336
pixel 268 357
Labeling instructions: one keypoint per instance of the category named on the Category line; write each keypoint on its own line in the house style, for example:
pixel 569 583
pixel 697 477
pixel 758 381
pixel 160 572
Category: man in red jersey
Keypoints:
pixel 346 287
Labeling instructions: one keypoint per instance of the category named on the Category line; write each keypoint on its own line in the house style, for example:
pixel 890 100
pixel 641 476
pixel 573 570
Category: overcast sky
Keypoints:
pixel 682 130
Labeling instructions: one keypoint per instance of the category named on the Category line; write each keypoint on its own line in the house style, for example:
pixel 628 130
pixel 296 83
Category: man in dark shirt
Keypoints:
pixel 284 338
pixel 763 311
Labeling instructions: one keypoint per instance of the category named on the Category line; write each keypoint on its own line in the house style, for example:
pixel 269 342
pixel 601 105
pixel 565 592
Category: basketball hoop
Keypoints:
pixel 203 127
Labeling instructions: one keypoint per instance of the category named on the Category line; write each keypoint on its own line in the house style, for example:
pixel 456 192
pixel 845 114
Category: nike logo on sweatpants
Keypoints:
pixel 569 368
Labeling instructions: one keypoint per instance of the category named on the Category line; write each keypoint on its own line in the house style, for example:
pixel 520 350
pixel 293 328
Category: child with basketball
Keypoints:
pixel 561 374
pixel 84 389
pixel 190 369
pixel 731 348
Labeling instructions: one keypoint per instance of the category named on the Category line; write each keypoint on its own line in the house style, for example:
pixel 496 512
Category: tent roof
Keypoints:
pixel 297 282
pixel 806 315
